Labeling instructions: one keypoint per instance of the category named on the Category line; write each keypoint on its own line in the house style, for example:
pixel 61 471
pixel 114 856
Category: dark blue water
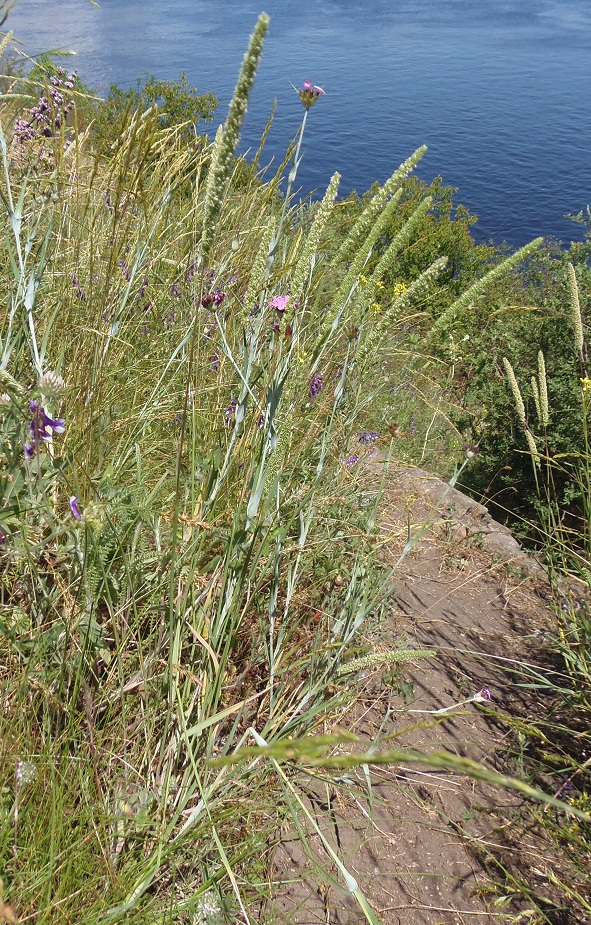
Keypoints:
pixel 498 89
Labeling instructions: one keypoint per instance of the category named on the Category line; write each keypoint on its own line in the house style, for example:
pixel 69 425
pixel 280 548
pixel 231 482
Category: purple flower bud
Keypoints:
pixel 74 508
pixel 230 411
pixel 315 385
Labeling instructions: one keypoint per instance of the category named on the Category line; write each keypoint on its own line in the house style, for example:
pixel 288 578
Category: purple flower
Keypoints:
pixel 174 290
pixel 310 93
pixel 315 385
pixel 279 303
pixel 42 427
pixel 23 131
pixel 483 695
pixel 77 287
pixel 74 508
pixel 230 411
pixel 352 460
pixel 213 298
pixel 367 437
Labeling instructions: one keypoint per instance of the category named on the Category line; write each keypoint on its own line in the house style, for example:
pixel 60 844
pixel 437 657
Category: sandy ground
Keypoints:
pixel 415 839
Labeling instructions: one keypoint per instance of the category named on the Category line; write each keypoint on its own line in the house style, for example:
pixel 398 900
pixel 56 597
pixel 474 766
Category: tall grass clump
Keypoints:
pixel 187 365
pixel 182 378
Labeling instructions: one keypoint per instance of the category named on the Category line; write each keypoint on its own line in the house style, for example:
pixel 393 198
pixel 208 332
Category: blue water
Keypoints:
pixel 498 89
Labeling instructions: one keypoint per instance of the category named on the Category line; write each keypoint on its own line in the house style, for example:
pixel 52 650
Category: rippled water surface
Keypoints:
pixel 498 89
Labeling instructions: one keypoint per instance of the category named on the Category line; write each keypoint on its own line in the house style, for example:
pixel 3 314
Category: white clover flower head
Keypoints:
pixel 51 384
pixel 207 909
pixel 4 400
pixel 25 773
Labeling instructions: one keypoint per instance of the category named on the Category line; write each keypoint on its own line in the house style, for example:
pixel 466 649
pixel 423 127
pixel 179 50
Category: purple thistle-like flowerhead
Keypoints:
pixel 74 508
pixel 279 303
pixel 310 93
pixel 315 385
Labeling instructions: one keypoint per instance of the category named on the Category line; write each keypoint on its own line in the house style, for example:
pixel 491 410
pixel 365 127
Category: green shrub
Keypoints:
pixel 177 103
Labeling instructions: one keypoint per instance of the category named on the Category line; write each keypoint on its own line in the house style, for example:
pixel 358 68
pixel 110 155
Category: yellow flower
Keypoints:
pixel 376 307
pixel 379 284
pixel 586 383
pixel 363 280
pixel 399 289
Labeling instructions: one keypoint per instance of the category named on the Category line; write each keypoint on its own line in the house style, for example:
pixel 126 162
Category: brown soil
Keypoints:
pixel 418 841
